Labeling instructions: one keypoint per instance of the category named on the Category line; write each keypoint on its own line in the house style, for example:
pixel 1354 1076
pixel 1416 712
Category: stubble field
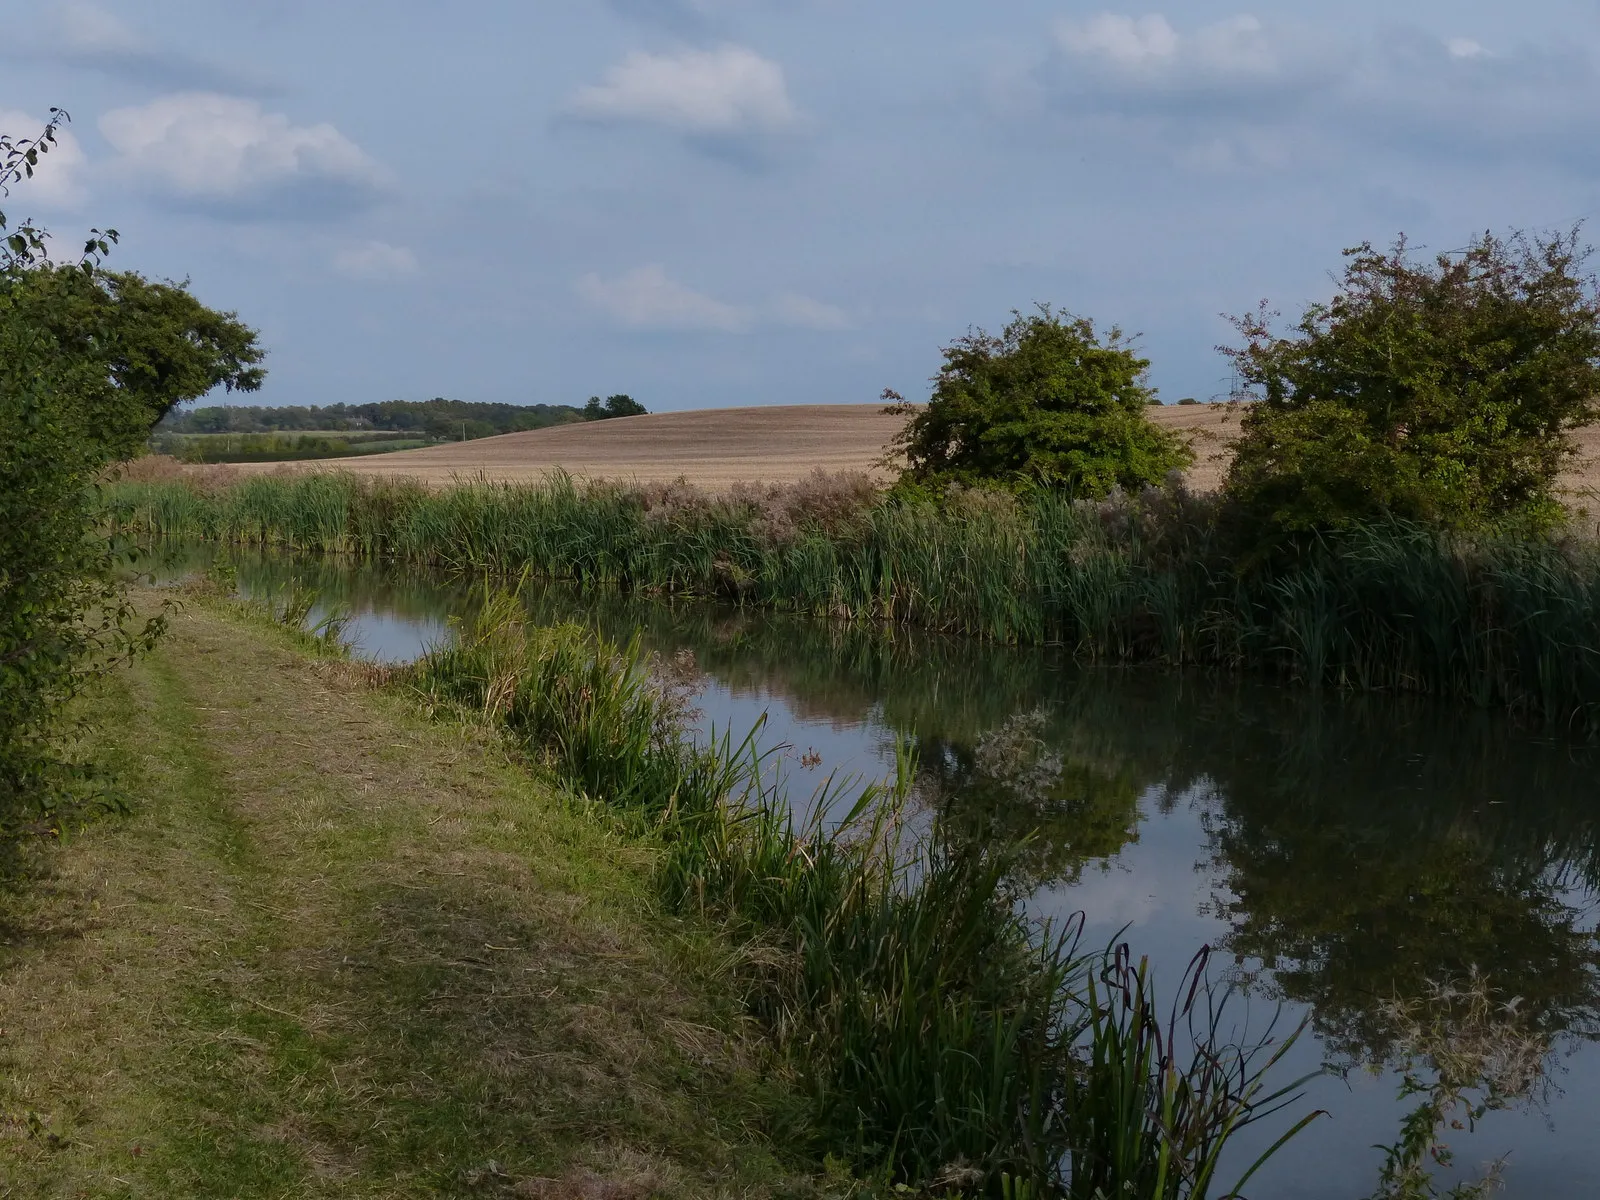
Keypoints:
pixel 713 448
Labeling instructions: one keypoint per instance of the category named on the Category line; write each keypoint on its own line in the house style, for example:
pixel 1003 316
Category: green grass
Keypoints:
pixel 944 1042
pixel 1497 621
pixel 338 950
pixel 283 446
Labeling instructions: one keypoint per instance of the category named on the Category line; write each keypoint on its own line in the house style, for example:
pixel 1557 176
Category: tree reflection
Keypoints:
pixel 1011 788
pixel 1358 900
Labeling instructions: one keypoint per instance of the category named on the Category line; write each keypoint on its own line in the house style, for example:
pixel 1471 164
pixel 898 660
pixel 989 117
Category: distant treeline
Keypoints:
pixel 436 418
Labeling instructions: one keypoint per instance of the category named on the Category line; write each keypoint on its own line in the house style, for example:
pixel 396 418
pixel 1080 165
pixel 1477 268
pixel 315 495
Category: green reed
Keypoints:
pixel 1494 620
pixel 942 1040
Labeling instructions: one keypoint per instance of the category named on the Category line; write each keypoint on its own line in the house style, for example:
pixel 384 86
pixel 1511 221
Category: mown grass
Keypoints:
pixel 1498 621
pixel 337 950
pixel 945 1042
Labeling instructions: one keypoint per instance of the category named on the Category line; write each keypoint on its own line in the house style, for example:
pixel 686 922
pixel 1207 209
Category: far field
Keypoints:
pixel 714 448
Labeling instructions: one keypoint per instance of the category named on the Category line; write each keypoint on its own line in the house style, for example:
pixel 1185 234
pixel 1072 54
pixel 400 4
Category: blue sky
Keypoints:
pixel 718 202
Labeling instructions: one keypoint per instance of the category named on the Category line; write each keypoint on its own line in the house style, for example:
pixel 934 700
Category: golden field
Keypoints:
pixel 713 448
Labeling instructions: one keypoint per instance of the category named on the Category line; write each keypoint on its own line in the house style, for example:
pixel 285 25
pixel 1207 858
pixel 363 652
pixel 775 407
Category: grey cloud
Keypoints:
pixel 678 16
pixel 1529 103
pixel 90 38
pixel 1241 92
pixel 228 157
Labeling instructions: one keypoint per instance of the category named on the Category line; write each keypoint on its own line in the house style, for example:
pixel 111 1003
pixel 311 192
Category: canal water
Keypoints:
pixel 1345 857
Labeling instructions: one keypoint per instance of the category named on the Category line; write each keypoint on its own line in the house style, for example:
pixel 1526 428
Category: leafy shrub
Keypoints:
pixel 1437 392
pixel 88 362
pixel 1047 402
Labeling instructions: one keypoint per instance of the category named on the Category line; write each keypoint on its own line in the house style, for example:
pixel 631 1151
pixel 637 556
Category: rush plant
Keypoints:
pixel 944 1041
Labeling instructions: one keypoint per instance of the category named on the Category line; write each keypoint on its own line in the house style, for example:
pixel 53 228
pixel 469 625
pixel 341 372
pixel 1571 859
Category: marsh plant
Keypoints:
pixel 940 1038
pixel 1496 619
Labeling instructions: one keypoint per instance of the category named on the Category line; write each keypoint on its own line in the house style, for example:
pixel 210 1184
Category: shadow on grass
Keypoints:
pixel 448 1046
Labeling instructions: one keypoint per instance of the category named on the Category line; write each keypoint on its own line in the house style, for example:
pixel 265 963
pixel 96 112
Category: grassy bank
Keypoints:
pixel 1496 621
pixel 943 1041
pixel 338 950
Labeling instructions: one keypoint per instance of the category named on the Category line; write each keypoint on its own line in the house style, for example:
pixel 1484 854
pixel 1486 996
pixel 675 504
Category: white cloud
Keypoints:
pixel 228 153
pixel 377 261
pixel 56 181
pixel 1245 94
pixel 1126 40
pixel 646 298
pixel 791 308
pixel 1149 46
pixel 727 91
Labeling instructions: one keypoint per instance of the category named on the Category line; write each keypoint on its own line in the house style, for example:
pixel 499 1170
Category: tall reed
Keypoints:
pixel 1495 620
pixel 943 1041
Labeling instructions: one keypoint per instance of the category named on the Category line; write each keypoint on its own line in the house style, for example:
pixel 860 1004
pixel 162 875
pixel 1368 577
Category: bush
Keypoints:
pixel 89 361
pixel 1047 402
pixel 62 613
pixel 1439 392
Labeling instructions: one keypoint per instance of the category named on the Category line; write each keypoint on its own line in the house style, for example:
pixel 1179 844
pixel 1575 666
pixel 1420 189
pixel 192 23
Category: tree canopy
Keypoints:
pixel 1047 402
pixel 620 405
pixel 154 344
pixel 89 361
pixel 1439 391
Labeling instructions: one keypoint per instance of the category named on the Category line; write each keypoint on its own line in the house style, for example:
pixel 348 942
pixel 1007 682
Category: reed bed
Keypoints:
pixel 1500 621
pixel 944 1043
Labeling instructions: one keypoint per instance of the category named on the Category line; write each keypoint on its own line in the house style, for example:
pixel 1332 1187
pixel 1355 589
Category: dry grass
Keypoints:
pixel 340 951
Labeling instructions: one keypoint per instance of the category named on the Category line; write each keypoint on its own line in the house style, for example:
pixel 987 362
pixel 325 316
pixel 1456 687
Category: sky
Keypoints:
pixel 705 203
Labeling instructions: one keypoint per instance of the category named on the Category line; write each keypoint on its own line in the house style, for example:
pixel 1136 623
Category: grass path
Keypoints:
pixel 338 950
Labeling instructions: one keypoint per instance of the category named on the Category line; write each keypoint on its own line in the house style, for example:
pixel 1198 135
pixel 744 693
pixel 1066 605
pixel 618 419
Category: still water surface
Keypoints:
pixel 1338 852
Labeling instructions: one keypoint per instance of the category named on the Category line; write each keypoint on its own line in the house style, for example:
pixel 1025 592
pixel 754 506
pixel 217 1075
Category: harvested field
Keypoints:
pixel 713 448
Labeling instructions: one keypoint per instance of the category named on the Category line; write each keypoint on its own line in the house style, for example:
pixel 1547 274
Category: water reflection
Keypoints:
pixel 1353 855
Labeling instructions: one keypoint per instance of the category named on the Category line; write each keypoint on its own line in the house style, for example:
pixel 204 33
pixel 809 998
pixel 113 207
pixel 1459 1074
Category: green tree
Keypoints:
pixel 1442 391
pixel 89 361
pixel 155 344
pixel 620 405
pixel 1047 402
